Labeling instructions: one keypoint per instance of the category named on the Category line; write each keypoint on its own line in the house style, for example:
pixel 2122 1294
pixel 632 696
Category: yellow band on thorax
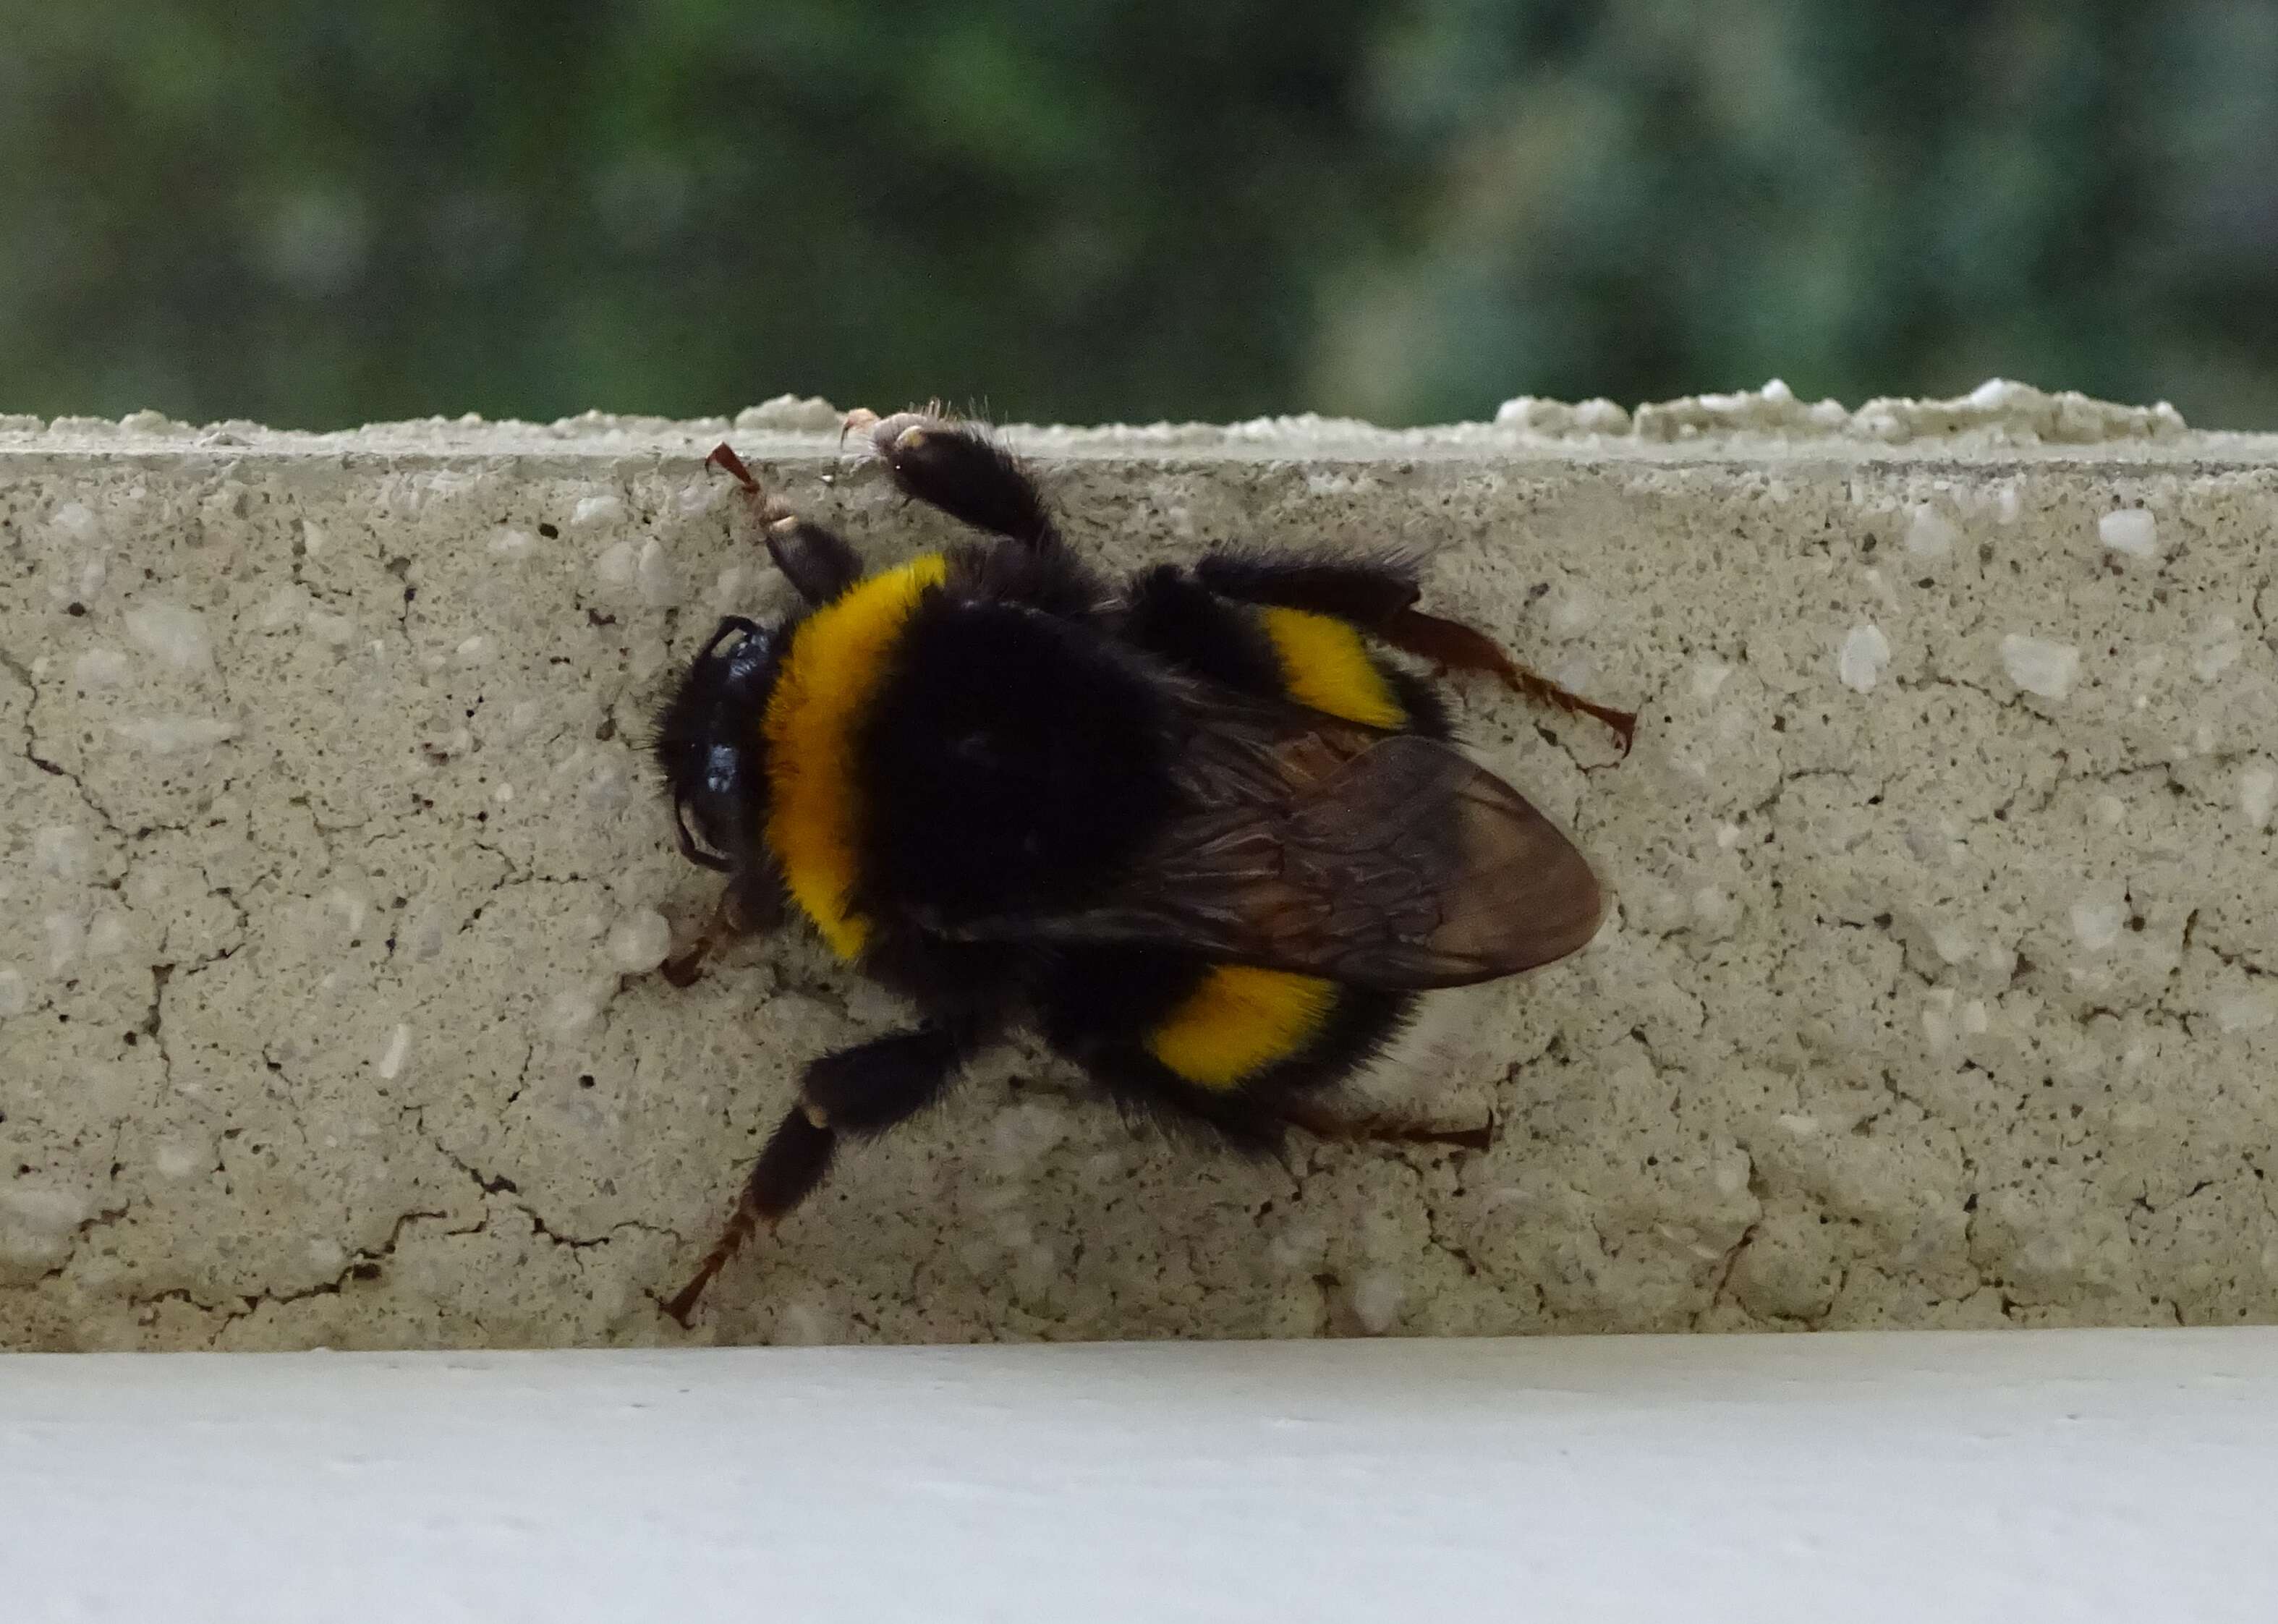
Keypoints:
pixel 830 674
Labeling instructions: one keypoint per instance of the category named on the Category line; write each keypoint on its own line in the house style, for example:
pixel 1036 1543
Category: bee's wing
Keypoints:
pixel 1333 850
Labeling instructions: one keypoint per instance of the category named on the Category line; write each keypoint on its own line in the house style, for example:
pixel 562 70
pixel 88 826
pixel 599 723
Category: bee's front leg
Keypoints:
pixel 752 904
pixel 817 563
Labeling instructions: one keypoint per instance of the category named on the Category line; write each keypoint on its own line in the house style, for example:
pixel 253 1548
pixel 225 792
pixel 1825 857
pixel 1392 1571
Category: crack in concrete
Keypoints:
pixel 362 1266
pixel 22 674
pixel 499 1184
pixel 1725 1267
pixel 101 1219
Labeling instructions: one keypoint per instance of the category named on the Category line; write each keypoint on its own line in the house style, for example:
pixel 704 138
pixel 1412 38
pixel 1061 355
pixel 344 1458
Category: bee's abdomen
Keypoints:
pixel 1222 1041
pixel 1239 1021
pixel 1326 665
pixel 1169 1028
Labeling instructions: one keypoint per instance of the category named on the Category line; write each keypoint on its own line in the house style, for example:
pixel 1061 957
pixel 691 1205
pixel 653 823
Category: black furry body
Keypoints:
pixel 1031 741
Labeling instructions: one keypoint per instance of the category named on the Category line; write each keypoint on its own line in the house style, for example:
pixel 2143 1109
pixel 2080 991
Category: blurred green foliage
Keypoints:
pixel 320 213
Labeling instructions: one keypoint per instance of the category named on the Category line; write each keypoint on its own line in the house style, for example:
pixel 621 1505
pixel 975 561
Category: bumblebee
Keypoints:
pixel 1197 829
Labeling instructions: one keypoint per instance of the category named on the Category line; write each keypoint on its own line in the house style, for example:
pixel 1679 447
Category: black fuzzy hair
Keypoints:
pixel 1013 761
pixel 959 467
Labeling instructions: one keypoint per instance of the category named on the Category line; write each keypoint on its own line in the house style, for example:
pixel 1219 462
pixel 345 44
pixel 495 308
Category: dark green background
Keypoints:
pixel 320 212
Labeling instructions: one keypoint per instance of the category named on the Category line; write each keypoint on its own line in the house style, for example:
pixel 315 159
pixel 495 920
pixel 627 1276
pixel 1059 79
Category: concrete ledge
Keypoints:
pixel 1876 1479
pixel 1940 989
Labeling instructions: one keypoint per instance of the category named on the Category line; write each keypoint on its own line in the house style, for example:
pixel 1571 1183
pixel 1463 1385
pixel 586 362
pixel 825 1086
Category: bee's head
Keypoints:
pixel 709 743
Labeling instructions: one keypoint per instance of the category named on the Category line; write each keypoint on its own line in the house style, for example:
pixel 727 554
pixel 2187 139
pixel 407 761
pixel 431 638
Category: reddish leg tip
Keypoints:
pixel 682 1306
pixel 740 1225
pixel 724 458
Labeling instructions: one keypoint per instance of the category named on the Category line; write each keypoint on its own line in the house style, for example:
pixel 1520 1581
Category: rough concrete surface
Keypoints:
pixel 1942 987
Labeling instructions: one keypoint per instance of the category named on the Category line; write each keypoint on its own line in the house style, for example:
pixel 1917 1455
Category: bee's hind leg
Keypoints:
pixel 1309 1116
pixel 1368 590
pixel 861 1092
pixel 797 1156
pixel 1452 644
pixel 817 563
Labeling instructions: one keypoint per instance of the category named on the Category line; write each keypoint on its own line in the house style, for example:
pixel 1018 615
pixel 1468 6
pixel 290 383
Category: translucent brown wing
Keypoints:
pixel 1331 849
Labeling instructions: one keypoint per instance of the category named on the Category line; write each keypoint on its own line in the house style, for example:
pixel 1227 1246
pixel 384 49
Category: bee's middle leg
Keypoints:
pixel 750 906
pixel 956 467
pixel 798 1156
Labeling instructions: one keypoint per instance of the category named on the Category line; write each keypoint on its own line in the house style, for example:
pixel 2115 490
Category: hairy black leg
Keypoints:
pixel 879 1085
pixel 1366 592
pixel 1380 598
pixel 797 1156
pixel 956 467
pixel 861 1092
pixel 816 562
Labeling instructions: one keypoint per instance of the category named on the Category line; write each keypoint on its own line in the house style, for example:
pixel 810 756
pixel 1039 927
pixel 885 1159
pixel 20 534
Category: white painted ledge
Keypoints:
pixel 1931 1477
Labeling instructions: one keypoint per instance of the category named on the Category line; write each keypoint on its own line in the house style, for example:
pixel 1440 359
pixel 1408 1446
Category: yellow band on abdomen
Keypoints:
pixel 1239 1021
pixel 1326 665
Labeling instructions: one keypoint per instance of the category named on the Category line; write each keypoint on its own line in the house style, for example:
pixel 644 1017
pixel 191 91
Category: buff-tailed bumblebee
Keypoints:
pixel 1199 828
